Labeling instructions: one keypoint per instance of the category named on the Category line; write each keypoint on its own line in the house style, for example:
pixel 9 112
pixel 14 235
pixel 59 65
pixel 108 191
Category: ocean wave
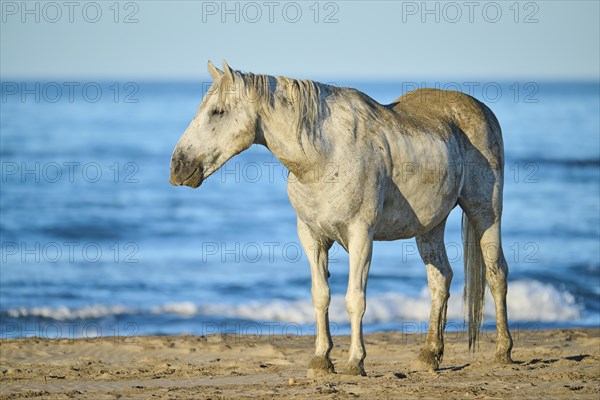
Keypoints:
pixel 527 301
pixel 64 313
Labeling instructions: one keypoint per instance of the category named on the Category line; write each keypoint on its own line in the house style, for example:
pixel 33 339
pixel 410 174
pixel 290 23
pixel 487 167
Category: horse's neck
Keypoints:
pixel 278 134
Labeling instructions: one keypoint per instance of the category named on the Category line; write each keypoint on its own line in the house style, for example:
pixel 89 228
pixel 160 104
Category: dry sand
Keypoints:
pixel 558 364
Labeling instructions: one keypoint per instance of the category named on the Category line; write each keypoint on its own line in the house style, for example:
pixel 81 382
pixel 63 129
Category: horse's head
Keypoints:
pixel 225 125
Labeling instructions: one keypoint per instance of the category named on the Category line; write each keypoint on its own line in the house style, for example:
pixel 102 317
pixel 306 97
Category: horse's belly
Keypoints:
pixel 423 188
pixel 414 206
pixel 396 223
pixel 401 220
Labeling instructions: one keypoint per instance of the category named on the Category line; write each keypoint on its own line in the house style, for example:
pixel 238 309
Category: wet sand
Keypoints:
pixel 559 364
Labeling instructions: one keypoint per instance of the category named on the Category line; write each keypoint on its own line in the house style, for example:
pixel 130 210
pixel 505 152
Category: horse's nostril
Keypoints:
pixel 178 166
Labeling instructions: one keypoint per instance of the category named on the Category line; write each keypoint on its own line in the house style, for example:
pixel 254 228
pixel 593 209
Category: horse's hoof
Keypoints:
pixel 422 366
pixel 312 373
pixel 354 369
pixel 427 361
pixel 504 359
pixel 320 366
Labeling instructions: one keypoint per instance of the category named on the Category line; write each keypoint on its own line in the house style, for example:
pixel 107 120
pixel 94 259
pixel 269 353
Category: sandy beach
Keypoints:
pixel 561 364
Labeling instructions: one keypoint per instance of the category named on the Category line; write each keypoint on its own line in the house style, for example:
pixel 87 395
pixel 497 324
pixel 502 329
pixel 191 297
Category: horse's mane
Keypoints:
pixel 308 98
pixel 311 101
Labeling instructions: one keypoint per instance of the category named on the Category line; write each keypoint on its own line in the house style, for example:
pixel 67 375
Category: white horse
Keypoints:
pixel 395 171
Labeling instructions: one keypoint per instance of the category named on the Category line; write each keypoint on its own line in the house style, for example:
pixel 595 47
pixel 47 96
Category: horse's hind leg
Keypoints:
pixel 496 274
pixel 485 220
pixel 439 275
pixel 317 249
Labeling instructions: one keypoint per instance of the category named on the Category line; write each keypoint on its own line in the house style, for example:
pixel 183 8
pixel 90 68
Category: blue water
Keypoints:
pixel 95 241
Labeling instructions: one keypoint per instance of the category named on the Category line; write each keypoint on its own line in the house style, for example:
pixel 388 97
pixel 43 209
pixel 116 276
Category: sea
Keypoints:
pixel 95 241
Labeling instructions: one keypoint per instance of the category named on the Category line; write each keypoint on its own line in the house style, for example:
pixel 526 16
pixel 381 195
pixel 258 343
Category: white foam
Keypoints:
pixel 185 308
pixel 536 301
pixel 526 301
pixel 63 313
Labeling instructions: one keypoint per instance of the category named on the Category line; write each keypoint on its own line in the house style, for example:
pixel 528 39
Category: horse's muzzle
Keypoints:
pixel 185 174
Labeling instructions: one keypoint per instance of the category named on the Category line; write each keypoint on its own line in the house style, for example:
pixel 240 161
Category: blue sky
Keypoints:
pixel 378 40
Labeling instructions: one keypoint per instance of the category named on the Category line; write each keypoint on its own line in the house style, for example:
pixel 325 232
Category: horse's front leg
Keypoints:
pixel 317 251
pixel 360 248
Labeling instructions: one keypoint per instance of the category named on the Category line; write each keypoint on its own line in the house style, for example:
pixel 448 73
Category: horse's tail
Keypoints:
pixel 474 290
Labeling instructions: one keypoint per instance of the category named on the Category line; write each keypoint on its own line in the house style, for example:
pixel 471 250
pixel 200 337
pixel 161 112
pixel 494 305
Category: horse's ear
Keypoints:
pixel 228 71
pixel 214 71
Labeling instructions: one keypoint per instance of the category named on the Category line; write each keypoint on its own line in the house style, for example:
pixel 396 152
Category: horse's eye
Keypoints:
pixel 217 112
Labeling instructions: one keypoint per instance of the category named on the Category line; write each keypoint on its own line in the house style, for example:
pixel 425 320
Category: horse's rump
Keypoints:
pixel 473 123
